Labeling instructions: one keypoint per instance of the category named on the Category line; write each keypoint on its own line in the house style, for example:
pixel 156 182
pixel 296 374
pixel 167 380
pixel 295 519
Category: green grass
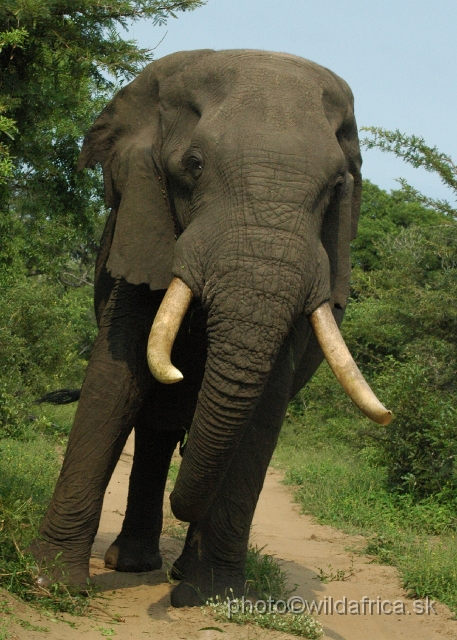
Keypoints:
pixel 267 579
pixel 59 419
pixel 28 472
pixel 265 575
pixel 343 487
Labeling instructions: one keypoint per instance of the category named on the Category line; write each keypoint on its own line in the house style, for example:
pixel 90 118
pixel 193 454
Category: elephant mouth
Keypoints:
pixel 175 305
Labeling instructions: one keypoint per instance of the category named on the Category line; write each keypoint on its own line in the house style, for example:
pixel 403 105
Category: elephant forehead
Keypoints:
pixel 281 89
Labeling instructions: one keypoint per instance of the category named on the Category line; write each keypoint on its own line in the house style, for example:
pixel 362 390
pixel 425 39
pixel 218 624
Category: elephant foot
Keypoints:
pixel 133 555
pixel 56 564
pixel 195 592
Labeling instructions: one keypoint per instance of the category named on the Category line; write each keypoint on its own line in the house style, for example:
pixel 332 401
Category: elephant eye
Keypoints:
pixel 193 165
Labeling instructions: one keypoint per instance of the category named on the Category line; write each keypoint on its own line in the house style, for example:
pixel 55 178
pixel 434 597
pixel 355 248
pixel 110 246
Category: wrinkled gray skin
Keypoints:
pixel 254 158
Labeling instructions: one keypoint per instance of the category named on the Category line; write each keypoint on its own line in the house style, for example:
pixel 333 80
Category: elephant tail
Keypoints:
pixel 60 396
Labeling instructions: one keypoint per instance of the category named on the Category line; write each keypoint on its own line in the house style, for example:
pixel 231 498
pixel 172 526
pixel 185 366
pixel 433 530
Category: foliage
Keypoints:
pixel 45 337
pixel 386 215
pixel 403 331
pixel 13 38
pixel 59 62
pixel 265 575
pixel 413 150
pixel 420 447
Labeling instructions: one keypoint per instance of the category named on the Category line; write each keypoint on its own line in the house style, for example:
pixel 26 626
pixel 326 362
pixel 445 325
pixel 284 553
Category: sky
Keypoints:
pixel 398 56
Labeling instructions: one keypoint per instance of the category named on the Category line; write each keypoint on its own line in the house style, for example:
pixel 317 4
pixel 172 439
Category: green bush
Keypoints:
pixel 385 215
pixel 322 413
pixel 402 330
pixel 45 339
pixel 419 447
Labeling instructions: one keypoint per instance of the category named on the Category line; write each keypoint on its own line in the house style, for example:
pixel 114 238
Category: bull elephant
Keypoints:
pixel 234 184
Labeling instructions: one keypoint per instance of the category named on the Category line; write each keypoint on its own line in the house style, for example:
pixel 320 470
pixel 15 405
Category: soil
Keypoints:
pixel 136 606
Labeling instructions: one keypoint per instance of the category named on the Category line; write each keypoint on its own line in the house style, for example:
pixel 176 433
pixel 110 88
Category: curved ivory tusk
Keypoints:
pixel 343 366
pixel 164 330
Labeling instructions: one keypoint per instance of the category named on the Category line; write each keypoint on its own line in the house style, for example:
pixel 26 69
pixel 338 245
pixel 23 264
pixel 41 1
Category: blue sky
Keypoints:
pixel 399 57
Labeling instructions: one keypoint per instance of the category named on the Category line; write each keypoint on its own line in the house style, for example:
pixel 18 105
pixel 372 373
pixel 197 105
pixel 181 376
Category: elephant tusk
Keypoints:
pixel 343 366
pixel 164 330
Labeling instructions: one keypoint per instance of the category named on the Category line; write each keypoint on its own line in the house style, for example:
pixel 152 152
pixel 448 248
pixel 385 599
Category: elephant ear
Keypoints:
pixel 124 139
pixel 341 218
pixel 336 238
pixel 340 222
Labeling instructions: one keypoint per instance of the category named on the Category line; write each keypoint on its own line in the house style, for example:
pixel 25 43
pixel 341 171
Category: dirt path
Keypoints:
pixel 142 600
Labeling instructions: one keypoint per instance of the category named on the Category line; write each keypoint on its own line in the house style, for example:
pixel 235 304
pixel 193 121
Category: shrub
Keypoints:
pixel 45 338
pixel 402 329
pixel 419 447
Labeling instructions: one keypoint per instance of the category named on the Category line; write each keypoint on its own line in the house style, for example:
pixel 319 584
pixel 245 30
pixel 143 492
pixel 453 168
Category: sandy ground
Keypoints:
pixel 136 606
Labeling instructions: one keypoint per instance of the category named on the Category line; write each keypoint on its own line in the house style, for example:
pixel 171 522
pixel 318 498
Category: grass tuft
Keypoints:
pixel 298 624
pixel 265 575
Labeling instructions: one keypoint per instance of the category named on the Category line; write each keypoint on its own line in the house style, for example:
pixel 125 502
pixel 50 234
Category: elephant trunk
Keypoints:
pixel 245 330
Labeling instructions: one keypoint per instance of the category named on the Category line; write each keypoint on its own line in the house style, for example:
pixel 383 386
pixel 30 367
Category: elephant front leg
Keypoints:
pixel 166 415
pixel 136 548
pixel 96 441
pixel 111 399
pixel 214 557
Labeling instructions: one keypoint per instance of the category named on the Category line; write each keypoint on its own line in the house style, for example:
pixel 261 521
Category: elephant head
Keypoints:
pixel 234 176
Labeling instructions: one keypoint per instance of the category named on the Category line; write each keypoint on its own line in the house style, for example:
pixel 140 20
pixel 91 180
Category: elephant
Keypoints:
pixel 233 179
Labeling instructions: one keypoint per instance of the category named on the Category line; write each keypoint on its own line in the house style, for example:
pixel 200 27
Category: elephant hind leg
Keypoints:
pixel 136 548
pixel 166 414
